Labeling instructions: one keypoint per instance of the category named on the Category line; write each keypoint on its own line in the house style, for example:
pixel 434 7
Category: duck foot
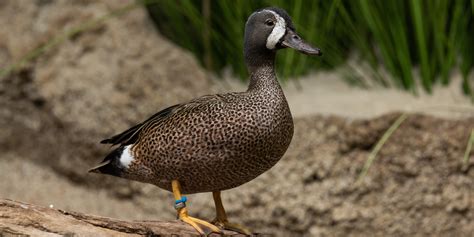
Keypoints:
pixel 221 217
pixel 226 225
pixel 203 227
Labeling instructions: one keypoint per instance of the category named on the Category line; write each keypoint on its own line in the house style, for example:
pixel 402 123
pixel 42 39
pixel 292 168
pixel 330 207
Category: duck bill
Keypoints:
pixel 294 41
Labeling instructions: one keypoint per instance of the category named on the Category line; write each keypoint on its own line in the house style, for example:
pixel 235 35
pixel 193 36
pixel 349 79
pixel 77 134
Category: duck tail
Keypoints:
pixel 111 164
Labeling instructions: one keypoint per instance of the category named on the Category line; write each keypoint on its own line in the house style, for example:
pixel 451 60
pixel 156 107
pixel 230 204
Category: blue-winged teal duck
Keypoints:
pixel 216 142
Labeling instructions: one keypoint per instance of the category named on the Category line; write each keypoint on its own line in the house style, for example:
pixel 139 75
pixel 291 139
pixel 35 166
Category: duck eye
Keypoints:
pixel 269 22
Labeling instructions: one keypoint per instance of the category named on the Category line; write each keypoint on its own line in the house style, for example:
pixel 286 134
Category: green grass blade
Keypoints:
pixel 468 148
pixel 417 15
pixel 379 145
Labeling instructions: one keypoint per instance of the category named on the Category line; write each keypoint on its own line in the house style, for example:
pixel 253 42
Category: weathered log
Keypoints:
pixel 22 219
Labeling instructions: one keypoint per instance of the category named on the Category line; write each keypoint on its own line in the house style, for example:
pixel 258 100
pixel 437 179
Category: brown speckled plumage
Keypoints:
pixel 214 142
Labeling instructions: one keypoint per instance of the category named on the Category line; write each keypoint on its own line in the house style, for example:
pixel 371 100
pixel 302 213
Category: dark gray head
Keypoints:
pixel 268 30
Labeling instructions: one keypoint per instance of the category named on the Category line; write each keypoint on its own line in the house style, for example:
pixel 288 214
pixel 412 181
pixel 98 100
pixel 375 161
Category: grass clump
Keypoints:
pixel 396 36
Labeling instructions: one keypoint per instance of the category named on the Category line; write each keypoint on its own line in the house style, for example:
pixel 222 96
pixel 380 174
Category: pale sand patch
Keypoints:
pixel 326 93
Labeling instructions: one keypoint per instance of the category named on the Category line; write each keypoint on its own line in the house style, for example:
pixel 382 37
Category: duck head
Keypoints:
pixel 270 29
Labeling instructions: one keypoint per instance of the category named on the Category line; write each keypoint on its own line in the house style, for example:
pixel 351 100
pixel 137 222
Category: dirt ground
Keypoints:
pixel 55 110
pixel 417 186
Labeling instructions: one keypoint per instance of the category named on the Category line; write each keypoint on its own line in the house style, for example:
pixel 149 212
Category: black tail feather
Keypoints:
pixel 111 164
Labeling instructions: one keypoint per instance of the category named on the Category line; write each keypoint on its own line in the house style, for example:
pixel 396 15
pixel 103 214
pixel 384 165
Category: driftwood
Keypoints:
pixel 22 219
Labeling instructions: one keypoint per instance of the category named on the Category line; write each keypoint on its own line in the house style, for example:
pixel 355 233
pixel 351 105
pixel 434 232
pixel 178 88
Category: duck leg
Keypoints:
pixel 203 227
pixel 221 217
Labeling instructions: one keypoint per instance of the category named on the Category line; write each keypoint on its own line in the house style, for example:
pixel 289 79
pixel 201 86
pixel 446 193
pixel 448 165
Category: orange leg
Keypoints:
pixel 203 227
pixel 221 217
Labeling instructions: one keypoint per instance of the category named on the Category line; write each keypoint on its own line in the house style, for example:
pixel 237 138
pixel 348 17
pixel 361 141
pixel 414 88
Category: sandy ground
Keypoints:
pixel 323 94
pixel 418 184
pixel 327 94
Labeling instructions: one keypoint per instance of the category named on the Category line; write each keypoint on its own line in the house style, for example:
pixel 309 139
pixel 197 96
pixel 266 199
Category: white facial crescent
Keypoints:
pixel 278 30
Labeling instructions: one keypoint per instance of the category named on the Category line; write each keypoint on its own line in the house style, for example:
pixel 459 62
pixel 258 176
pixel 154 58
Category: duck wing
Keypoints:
pixel 130 135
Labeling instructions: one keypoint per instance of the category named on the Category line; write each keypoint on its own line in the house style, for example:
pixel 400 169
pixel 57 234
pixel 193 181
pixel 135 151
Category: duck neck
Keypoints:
pixel 261 66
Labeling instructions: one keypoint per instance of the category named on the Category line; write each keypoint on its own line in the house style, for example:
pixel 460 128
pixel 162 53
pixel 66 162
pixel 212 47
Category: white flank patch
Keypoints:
pixel 127 157
pixel 278 30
